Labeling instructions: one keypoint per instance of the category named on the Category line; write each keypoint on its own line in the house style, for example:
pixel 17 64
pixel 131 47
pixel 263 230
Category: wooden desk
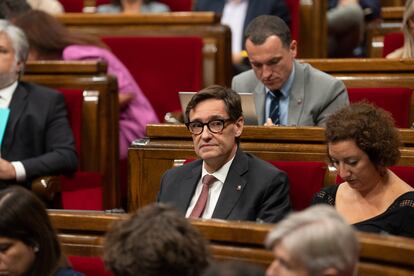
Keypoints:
pixel 82 233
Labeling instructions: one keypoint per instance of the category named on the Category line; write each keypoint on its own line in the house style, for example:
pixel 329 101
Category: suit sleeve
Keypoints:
pixel 276 202
pixel 337 98
pixel 60 154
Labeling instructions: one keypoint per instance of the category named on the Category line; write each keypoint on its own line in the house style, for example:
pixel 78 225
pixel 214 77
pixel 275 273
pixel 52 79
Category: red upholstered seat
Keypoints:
pixel 293 6
pixel 88 265
pixel 306 178
pixel 178 5
pixel 392 41
pixel 406 173
pixel 162 66
pixel 72 5
pixel 395 100
pixel 83 190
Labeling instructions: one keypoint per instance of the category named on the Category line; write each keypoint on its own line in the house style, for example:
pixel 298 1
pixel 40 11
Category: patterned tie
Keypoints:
pixel 274 106
pixel 208 179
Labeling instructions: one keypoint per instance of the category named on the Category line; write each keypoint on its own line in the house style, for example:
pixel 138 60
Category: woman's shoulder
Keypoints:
pixel 327 195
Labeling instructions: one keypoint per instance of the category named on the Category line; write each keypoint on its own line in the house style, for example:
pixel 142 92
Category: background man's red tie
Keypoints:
pixel 198 210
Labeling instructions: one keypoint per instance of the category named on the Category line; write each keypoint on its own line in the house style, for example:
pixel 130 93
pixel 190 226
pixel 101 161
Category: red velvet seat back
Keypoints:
pixel 88 265
pixel 83 190
pixel 306 178
pixel 406 173
pixel 392 41
pixel 72 5
pixel 162 66
pixel 178 5
pixel 293 6
pixel 395 100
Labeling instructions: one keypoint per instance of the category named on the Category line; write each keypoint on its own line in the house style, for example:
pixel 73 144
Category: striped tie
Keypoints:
pixel 274 106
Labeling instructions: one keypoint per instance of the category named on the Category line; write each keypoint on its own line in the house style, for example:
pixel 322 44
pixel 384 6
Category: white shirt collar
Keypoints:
pixel 221 173
pixel 6 94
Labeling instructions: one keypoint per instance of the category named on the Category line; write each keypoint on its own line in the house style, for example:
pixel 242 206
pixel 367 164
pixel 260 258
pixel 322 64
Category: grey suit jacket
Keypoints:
pixel 313 96
pixel 264 193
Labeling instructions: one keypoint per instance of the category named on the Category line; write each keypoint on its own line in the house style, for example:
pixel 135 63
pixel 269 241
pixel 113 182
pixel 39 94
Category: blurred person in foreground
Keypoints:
pixel 225 183
pixel 313 242
pixel 28 243
pixel 132 6
pixel 155 241
pixel 286 92
pixel 362 143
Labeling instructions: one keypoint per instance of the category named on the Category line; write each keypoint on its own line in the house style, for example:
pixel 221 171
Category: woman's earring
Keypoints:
pixel 36 248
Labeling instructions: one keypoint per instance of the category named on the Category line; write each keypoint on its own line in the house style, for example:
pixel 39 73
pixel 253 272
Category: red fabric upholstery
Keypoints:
pixel 162 66
pixel 178 5
pixel 90 266
pixel 306 178
pixel 72 5
pixel 293 6
pixel 392 41
pixel 406 173
pixel 395 100
pixel 83 190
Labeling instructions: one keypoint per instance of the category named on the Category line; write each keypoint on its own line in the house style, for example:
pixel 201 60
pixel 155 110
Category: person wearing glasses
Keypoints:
pixel 225 183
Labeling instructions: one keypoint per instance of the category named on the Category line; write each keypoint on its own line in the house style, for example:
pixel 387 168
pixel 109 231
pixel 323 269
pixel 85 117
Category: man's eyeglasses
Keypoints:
pixel 215 126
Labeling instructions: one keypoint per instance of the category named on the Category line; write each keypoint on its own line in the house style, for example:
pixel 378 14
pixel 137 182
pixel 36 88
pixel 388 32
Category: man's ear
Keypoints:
pixel 239 126
pixel 19 66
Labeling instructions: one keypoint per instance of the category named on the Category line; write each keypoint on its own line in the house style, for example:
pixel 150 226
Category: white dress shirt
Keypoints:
pixel 234 15
pixel 6 95
pixel 213 192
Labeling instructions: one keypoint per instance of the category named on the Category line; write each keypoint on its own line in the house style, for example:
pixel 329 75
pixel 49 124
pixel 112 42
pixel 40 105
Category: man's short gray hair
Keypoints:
pixel 18 40
pixel 319 238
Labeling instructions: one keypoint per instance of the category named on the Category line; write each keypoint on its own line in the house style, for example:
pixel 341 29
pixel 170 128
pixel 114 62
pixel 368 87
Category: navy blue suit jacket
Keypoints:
pixel 263 194
pixel 254 9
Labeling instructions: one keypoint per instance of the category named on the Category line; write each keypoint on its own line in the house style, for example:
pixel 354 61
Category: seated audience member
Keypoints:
pixel 362 143
pixel 286 92
pixel 232 268
pixel 237 14
pixel 407 50
pixel 28 242
pixel 225 183
pixel 49 6
pixel 37 139
pixel 315 241
pixel 50 40
pixel 132 6
pixel 11 8
pixel 155 241
pixel 345 22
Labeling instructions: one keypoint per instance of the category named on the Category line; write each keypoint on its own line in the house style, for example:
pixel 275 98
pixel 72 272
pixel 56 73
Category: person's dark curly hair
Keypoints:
pixel 156 241
pixel 372 129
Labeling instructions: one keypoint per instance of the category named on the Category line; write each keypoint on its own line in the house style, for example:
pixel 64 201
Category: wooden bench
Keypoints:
pixel 82 234
pixel 170 145
pixel 99 135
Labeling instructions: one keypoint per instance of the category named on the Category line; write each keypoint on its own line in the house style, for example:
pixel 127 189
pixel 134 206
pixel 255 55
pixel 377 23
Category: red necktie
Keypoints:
pixel 208 179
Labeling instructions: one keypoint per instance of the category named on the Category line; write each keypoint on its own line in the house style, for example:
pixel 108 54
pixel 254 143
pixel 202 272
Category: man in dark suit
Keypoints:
pixel 243 187
pixel 37 139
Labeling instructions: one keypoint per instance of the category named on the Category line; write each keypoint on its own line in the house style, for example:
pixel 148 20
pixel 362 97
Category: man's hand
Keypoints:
pixel 7 170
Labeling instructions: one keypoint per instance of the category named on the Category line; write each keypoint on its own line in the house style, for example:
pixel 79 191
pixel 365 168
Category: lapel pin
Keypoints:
pixel 238 188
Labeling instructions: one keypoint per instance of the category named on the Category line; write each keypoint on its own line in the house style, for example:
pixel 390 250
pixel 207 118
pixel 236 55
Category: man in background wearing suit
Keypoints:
pixel 225 183
pixel 37 139
pixel 286 92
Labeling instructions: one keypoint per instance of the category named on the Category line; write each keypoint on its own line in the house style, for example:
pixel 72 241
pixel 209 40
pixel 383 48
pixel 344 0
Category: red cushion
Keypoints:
pixel 406 173
pixel 395 100
pixel 392 41
pixel 89 265
pixel 83 191
pixel 178 5
pixel 306 178
pixel 72 5
pixel 74 103
pixel 293 6
pixel 162 66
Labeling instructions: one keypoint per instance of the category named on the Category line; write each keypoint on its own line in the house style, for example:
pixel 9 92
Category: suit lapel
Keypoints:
pixel 233 187
pixel 259 99
pixel 17 105
pixel 297 95
pixel 187 187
